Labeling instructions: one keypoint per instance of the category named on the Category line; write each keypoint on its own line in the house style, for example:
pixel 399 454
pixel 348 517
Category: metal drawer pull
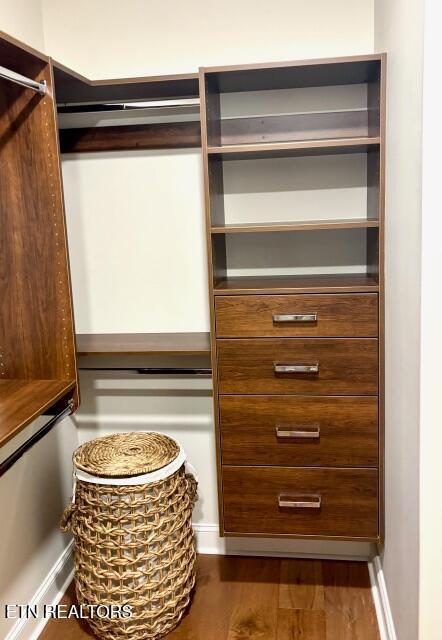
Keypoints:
pixel 295 317
pixel 285 431
pixel 299 501
pixel 296 368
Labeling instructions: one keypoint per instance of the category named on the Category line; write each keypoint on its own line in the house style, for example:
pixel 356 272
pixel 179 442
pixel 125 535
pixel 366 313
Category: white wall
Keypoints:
pixel 398 30
pixel 136 233
pixel 23 19
pixel 431 346
pixel 143 37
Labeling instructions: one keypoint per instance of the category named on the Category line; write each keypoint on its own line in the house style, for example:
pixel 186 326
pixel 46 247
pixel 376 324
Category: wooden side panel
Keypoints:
pixel 37 335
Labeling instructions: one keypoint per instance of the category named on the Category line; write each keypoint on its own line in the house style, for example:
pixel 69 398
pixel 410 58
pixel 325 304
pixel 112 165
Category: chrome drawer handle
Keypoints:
pixel 295 317
pixel 299 501
pixel 310 432
pixel 296 368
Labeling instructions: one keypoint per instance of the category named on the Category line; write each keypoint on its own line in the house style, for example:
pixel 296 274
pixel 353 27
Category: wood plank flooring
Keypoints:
pixel 243 598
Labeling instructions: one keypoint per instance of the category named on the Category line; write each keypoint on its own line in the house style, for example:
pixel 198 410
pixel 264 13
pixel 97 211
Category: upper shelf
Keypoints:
pixel 315 72
pixel 151 344
pixel 22 401
pixel 299 148
pixel 72 87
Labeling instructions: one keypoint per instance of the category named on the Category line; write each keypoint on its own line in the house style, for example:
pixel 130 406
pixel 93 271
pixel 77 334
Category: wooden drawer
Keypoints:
pixel 331 431
pixel 345 366
pixel 348 501
pixel 340 315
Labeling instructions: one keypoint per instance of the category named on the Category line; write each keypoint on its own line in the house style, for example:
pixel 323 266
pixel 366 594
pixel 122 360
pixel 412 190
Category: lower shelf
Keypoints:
pixel 332 283
pixel 21 401
pixel 171 344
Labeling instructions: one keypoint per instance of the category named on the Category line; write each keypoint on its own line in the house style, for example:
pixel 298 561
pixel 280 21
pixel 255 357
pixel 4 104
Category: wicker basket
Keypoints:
pixel 131 520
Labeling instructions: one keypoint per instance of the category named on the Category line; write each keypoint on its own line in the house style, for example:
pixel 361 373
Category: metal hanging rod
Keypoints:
pixel 29 443
pixel 92 107
pixel 17 78
pixel 155 371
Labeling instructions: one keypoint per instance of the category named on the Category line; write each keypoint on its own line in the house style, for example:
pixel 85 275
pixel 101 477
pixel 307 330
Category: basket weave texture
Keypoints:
pixel 134 545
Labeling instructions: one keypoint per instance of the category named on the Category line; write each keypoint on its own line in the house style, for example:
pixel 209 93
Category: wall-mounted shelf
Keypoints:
pixel 299 148
pixel 146 344
pixel 301 225
pixel 21 401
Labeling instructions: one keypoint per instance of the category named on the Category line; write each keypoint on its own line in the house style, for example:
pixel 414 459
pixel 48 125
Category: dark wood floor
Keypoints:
pixel 240 598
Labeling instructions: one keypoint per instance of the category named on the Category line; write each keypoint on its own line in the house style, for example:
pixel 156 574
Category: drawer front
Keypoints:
pixel 323 366
pixel 306 502
pixel 318 315
pixel 299 431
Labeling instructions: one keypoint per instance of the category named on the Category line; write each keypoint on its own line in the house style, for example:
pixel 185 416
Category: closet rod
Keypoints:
pixel 155 371
pixel 17 78
pixel 38 435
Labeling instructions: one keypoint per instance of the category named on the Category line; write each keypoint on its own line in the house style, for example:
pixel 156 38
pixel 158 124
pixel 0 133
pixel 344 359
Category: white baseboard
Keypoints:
pixel 381 602
pixel 209 541
pixel 49 593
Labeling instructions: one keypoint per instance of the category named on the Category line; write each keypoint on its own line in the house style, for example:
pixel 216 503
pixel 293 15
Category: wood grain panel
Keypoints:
pixel 348 502
pixel 337 316
pixel 348 430
pixel 171 135
pixel 346 366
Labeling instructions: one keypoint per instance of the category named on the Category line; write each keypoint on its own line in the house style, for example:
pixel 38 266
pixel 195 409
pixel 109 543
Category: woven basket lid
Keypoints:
pixel 124 455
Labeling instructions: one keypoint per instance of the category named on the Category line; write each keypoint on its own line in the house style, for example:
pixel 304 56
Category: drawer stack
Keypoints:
pixel 298 414
pixel 294 174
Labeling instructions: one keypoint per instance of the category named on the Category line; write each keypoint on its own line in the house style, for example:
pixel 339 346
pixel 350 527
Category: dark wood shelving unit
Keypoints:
pixel 37 340
pixel 143 344
pixel 301 225
pixel 295 343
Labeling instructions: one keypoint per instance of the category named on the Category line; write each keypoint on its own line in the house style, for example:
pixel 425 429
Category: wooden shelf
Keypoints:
pixel 22 401
pixel 152 344
pixel 299 148
pixel 334 283
pixel 301 225
pixel 76 88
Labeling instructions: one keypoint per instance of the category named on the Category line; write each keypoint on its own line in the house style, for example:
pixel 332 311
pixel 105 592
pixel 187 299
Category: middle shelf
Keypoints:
pixel 298 225
pixel 250 151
